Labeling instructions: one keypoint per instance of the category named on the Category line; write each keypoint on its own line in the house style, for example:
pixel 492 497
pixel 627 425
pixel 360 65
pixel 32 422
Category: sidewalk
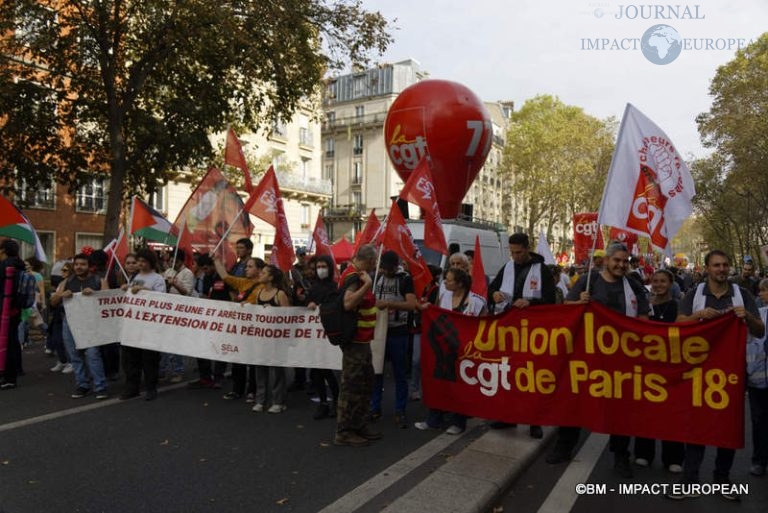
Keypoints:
pixel 463 474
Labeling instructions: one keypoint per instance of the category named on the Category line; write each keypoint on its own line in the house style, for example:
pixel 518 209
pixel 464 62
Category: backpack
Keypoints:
pixel 24 292
pixel 340 325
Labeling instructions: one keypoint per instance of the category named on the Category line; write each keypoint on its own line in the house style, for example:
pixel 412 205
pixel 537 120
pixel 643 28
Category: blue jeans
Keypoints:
pixel 397 353
pixel 92 359
pixel 416 364
pixel 172 362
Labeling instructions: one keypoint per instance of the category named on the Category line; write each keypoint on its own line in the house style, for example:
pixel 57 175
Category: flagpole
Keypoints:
pixel 592 257
pixel 113 258
pixel 178 241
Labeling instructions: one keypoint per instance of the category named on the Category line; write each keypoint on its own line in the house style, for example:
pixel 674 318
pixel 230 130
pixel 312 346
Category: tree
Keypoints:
pixel 733 194
pixel 133 88
pixel 557 158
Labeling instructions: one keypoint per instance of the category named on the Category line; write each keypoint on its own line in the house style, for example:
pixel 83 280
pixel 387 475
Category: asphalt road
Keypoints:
pixel 188 451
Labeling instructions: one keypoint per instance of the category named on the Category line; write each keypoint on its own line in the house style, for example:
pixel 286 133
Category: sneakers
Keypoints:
pixel 250 398
pixel 621 466
pixel 101 395
pixel 423 426
pixel 229 396
pixel 68 369
pixel 757 469
pixel 731 492
pixel 368 433
pixel 675 468
pixel 58 367
pixel 351 439
pixel 277 408
pixel 7 385
pixel 454 430
pixel 258 408
pixel 536 432
pixel 80 393
pixel 642 462
pixel 684 490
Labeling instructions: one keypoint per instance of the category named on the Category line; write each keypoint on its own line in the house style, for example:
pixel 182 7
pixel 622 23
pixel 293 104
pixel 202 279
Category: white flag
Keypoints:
pixel 544 250
pixel 649 188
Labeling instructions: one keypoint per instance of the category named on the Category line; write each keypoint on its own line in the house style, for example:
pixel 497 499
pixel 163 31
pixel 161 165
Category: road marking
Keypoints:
pixel 73 411
pixel 390 475
pixel 563 494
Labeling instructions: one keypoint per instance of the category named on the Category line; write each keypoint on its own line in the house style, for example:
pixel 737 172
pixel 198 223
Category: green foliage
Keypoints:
pixel 133 88
pixel 731 184
pixel 557 158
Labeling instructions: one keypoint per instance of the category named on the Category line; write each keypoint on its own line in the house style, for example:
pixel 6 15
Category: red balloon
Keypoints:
pixel 447 122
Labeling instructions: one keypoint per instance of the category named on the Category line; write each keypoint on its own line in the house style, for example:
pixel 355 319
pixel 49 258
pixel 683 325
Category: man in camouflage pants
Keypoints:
pixel 356 367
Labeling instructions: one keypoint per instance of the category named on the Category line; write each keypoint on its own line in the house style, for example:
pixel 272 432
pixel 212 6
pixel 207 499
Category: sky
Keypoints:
pixel 517 49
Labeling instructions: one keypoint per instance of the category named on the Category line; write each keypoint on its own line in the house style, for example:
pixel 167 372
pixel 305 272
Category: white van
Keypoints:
pixel 460 236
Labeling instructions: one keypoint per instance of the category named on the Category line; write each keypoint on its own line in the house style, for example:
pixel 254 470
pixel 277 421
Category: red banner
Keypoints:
pixel 585 228
pixel 586 365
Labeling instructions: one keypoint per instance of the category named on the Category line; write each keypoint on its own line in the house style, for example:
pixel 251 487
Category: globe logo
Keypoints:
pixel 661 44
pixel 599 13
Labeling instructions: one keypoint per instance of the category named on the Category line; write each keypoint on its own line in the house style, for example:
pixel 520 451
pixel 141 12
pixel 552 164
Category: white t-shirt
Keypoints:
pixel 149 281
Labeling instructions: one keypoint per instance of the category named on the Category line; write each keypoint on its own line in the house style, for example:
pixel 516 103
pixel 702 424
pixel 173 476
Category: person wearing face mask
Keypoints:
pixel 323 379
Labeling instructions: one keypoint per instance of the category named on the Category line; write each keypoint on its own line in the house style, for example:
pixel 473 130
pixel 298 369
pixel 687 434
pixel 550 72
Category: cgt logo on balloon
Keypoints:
pixel 447 123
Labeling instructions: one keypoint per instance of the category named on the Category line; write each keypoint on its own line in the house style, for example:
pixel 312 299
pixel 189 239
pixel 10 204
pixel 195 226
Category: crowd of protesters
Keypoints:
pixel 661 294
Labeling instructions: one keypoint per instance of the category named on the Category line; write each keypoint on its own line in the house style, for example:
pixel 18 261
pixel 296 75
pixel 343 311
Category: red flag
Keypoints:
pixel 263 199
pixel 585 229
pixel 320 237
pixel 479 285
pixel 420 190
pixel 372 227
pixel 397 237
pixel 233 156
pixel 208 213
pixel 117 250
pixel 282 248
pixel 629 239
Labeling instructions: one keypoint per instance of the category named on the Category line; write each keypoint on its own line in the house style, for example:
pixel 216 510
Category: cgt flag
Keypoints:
pixel 649 188
pixel 420 190
pixel 396 236
pixel 320 238
pixel 263 199
pixel 585 229
pixel 371 230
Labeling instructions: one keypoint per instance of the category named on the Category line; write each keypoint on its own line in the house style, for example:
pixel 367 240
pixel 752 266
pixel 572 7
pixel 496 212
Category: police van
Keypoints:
pixel 460 236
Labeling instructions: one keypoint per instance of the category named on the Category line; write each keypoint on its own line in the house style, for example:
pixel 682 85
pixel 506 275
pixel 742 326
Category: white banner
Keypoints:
pixel 202 328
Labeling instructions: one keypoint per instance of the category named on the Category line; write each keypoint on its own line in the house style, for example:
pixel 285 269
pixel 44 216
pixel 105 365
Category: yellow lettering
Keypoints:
pixel 656 352
pixel 695 350
pixel 655 383
pixel 578 371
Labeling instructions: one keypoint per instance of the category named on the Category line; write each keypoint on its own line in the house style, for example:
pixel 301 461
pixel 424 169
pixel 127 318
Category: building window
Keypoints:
pixel 42 196
pixel 328 172
pixel 306 164
pixel 279 129
pixel 359 111
pixel 358 86
pixel 357 198
pixel 305 137
pixel 157 200
pixel 357 173
pixel 330 147
pixel 358 144
pixel 279 160
pixel 331 118
pixel 305 216
pixel 87 239
pixel 92 196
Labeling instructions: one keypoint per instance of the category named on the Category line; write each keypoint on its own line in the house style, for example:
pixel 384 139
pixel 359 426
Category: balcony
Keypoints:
pixel 353 212
pixel 329 154
pixel 357 180
pixel 357 151
pixel 343 124
pixel 294 186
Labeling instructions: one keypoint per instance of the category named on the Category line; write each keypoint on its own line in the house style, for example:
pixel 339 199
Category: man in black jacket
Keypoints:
pixel 9 258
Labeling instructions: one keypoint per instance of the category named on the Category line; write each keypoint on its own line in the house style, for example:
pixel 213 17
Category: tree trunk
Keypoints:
pixel 116 180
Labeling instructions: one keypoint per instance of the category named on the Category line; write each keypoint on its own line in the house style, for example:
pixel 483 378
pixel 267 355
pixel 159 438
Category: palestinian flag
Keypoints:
pixel 150 224
pixel 15 225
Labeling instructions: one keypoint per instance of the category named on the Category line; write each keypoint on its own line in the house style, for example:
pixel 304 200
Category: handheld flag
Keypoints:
pixel 282 248
pixel 262 202
pixel 649 189
pixel 234 156
pixel 150 224
pixel 420 190
pixel 543 249
pixel 372 227
pixel 396 236
pixel 320 238
pixel 14 224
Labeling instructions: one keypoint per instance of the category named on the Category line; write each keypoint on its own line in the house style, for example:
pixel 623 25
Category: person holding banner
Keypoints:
pixel 136 360
pixel 609 287
pixel 715 297
pixel 523 281
pixel 270 380
pixel 244 289
pixel 84 282
pixel 179 279
pixel 458 298
pixel 356 364
pixel 663 309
